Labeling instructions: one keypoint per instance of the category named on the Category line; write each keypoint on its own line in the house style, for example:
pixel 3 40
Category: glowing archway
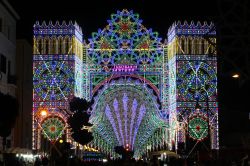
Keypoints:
pixel 107 80
pixel 126 112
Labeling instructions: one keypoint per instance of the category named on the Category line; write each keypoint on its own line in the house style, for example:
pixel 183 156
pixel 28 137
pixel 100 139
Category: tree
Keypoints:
pixel 8 112
pixel 80 118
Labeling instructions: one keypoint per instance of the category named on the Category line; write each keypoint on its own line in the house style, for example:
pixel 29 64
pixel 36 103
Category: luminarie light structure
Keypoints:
pixel 144 90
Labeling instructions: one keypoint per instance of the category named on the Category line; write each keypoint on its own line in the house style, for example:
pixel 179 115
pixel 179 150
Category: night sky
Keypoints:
pixel 93 14
pixel 158 15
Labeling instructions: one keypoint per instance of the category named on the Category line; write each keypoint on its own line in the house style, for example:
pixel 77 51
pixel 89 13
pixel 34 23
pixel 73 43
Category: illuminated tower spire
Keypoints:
pixel 57 68
pixel 193 80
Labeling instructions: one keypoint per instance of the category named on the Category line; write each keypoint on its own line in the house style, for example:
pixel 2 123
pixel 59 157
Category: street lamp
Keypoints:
pixel 236 76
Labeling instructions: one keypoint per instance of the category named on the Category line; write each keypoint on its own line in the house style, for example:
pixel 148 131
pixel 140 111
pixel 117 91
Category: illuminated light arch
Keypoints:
pixel 119 105
pixel 125 48
pixel 60 113
pixel 141 78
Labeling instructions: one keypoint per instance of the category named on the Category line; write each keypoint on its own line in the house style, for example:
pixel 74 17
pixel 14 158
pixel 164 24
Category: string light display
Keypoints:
pixel 57 77
pixel 53 128
pixel 56 83
pixel 198 128
pixel 196 79
pixel 142 88
pixel 120 106
pixel 193 79
pixel 125 40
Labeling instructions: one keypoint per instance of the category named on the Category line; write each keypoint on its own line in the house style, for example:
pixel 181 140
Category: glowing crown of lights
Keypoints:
pixel 57 29
pixel 179 29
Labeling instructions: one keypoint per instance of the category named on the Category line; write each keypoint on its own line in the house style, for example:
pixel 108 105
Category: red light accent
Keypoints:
pixel 124 27
pixel 52 129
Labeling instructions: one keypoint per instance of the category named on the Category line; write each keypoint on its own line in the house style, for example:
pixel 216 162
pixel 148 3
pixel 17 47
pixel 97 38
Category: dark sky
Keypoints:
pixel 93 14
pixel 159 15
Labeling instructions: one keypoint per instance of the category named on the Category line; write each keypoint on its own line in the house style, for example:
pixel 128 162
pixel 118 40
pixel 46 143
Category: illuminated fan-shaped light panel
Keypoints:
pixel 125 117
pixel 121 107
pixel 53 128
pixel 198 128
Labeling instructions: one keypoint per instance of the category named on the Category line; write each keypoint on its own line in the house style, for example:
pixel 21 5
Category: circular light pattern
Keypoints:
pixel 196 80
pixel 198 128
pixel 53 128
pixel 53 80
pixel 125 41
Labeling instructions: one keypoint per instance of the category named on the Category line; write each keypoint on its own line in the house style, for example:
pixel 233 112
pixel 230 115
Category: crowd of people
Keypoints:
pixel 75 161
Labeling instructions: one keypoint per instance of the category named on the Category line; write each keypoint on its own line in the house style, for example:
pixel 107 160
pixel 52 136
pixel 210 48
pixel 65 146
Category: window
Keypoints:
pixel 3 63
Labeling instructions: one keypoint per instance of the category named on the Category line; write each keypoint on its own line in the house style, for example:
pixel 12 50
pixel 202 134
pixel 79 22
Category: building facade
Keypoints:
pixel 147 94
pixel 8 18
pixel 23 126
